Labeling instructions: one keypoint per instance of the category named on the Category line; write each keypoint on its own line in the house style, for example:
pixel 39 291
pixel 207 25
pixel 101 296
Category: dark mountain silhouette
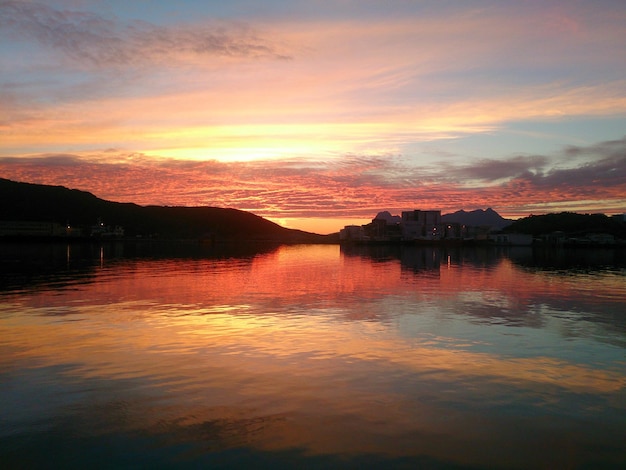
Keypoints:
pixel 35 202
pixel 478 218
pixel 390 219
pixel 571 223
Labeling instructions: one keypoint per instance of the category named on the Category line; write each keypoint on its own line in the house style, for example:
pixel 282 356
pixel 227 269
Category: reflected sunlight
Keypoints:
pixel 315 348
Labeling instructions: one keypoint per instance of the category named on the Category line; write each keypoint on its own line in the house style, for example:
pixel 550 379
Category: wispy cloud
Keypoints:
pixel 493 170
pixel 93 40
pixel 359 85
pixel 204 112
pixel 356 186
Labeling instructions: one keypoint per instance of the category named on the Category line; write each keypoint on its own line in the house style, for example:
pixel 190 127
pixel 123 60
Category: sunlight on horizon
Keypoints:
pixel 319 225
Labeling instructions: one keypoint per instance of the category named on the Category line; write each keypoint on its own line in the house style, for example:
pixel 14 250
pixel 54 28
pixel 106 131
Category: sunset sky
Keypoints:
pixel 316 114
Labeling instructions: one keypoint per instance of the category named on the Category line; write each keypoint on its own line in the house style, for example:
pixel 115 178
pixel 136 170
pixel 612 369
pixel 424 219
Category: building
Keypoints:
pixel 512 239
pixel 413 225
pixel 352 233
pixel 422 225
pixel 100 230
pixel 382 230
pixel 601 238
pixel 25 228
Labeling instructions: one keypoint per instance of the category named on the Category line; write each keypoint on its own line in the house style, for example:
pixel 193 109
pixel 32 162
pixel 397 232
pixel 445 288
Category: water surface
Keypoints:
pixel 153 355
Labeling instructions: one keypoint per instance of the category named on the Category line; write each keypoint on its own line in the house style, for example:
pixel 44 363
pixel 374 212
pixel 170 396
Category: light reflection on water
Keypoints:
pixel 311 356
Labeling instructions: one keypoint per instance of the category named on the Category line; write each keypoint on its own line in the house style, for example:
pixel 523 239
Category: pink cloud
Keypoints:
pixel 353 187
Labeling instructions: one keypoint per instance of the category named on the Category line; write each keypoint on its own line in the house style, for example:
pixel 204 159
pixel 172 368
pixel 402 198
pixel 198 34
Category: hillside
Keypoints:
pixel 478 218
pixel 33 202
pixel 570 223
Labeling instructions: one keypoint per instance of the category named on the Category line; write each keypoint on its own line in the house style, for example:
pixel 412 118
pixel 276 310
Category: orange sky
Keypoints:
pixel 319 116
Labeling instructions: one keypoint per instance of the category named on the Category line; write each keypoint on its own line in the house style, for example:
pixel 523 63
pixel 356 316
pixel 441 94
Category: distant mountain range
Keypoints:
pixel 387 217
pixel 35 202
pixel 478 218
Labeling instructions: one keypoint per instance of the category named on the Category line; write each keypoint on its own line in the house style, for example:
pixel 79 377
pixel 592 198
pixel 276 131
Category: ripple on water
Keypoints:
pixel 409 355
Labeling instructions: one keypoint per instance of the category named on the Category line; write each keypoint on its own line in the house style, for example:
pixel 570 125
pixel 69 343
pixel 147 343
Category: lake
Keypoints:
pixel 155 355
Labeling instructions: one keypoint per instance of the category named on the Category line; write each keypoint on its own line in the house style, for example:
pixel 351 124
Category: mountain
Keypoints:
pixel 478 218
pixel 35 202
pixel 387 217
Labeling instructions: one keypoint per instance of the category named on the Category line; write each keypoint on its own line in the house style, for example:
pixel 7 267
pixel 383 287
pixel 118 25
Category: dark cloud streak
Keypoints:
pixel 91 39
pixel 493 170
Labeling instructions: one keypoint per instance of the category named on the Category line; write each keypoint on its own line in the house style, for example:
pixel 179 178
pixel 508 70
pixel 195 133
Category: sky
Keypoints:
pixel 318 114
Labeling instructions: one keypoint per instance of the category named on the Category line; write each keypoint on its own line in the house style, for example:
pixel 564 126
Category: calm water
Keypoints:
pixel 157 356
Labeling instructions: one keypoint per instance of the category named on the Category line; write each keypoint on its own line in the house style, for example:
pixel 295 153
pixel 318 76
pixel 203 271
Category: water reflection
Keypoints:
pixel 309 356
pixel 514 285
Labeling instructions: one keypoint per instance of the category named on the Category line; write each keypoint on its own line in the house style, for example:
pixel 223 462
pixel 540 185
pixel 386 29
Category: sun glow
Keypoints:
pixel 247 142
pixel 319 115
pixel 321 225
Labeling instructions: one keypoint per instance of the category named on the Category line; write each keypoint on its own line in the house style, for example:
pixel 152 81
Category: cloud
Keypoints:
pixel 577 171
pixel 607 173
pixel 492 169
pixel 608 149
pixel 360 85
pixel 91 39
pixel 356 186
